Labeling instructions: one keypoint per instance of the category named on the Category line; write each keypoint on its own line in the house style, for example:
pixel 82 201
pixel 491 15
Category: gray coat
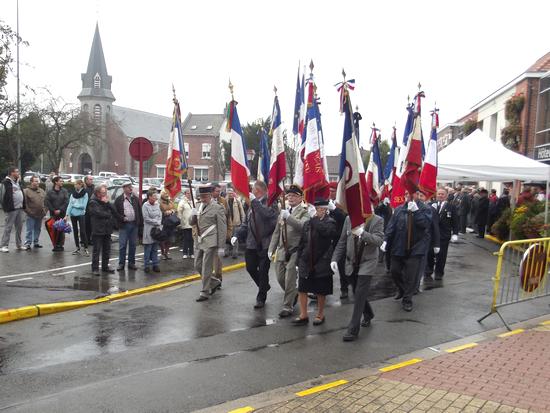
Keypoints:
pixel 260 218
pixel 294 224
pixel 152 217
pixel 211 214
pixel 372 236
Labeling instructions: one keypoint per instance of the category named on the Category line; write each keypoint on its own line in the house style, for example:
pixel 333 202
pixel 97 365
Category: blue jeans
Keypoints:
pixel 33 230
pixel 127 235
pixel 151 256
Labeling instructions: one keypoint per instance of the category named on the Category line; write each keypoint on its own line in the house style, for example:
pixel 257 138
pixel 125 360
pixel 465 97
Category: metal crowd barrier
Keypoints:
pixel 521 274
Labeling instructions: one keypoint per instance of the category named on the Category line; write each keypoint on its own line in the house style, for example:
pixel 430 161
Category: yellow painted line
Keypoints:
pixel 399 365
pixel 512 333
pixel 37 310
pixel 545 323
pixel 242 410
pixel 494 239
pixel 321 388
pixel 462 347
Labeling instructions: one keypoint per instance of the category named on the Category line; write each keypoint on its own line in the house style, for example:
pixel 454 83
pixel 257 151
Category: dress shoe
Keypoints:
pixel 318 321
pixel 95 272
pixel 349 337
pixel 120 268
pixel 37 246
pixel 300 321
pixel 427 278
pixel 407 306
pixel 147 269
pixel 344 294
pixel 398 296
pixel 201 298
pixel 156 268
pixel 365 322
pixel 438 277
pixel 259 304
pixel 284 313
pixel 132 267
pixel 108 270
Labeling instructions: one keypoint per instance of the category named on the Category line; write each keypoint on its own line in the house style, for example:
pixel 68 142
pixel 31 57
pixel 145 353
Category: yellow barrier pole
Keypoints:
pixel 496 281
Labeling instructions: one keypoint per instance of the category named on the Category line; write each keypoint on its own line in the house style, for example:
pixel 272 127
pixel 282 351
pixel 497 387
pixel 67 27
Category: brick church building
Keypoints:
pixel 119 125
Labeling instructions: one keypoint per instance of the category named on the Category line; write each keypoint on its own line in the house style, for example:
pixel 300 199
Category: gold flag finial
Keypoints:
pixel 311 66
pixel 231 89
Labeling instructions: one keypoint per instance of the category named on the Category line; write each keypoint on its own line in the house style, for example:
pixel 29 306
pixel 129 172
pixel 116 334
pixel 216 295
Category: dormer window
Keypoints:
pixel 97 81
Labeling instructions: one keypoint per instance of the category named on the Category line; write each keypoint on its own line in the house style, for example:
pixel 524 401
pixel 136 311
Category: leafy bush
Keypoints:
pixel 501 228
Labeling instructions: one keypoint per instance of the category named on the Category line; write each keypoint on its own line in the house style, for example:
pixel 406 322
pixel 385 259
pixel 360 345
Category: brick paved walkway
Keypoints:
pixel 510 374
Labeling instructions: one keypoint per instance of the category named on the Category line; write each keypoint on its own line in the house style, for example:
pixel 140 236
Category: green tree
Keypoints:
pixel 384 152
pixel 251 134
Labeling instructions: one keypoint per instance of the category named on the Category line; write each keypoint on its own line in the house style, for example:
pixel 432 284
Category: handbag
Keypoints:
pixel 157 234
pixel 171 220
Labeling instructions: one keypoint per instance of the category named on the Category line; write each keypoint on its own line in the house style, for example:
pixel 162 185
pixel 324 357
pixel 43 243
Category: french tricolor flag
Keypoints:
pixel 398 190
pixel 375 177
pixel 428 176
pixel 239 167
pixel 277 168
pixel 298 129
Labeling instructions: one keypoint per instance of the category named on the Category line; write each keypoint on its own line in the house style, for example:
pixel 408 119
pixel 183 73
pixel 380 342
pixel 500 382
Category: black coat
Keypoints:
pixel 57 200
pixel 397 231
pixel 482 211
pixel 316 247
pixel 7 200
pixel 119 206
pixel 339 217
pixel 103 217
pixel 449 221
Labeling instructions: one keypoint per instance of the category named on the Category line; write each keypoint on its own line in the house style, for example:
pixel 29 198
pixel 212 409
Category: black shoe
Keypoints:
pixel 349 337
pixel 259 304
pixel 147 269
pixel 300 321
pixel 95 272
pixel 108 270
pixel 365 323
pixel 37 246
pixel 284 313
pixel 120 268
pixel 201 298
pixel 156 268
pixel 416 292
pixel 27 247
pixel 407 306
pixel 132 267
pixel 398 296
pixel 438 277
pixel 344 294
pixel 428 278
pixel 318 321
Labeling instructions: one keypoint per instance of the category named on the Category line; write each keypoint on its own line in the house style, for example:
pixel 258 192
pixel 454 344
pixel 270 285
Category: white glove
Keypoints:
pixel 285 214
pixel 194 212
pixel 386 201
pixel 454 238
pixel 251 197
pixel 233 240
pixel 311 211
pixel 331 205
pixel 436 250
pixel 269 255
pixel 383 246
pixel 411 206
pixel 334 267
pixel 221 252
pixel 358 231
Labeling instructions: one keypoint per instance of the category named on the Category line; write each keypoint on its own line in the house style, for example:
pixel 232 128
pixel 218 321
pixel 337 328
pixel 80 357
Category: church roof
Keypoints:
pixel 136 123
pixel 203 124
pixel 96 66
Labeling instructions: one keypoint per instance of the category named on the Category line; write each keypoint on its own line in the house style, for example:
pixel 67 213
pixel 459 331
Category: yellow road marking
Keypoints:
pixel 545 323
pixel 399 365
pixel 511 333
pixel 321 388
pixel 242 410
pixel 462 347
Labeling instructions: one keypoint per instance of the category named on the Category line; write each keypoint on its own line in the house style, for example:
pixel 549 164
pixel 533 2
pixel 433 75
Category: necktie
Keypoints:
pixel 290 210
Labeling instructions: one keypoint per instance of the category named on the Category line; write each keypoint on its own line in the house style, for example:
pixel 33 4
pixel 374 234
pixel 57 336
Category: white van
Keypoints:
pixel 106 174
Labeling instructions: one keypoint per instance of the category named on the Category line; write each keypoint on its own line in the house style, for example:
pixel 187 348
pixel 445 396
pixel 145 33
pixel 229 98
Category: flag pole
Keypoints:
pixel 282 196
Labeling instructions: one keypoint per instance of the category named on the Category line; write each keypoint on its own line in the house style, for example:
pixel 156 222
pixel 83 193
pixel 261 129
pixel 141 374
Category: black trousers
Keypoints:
pixel 187 242
pixel 88 226
pixel 257 265
pixel 481 230
pixel 345 281
pixel 439 260
pixel 463 223
pixel 404 271
pixel 102 245
pixel 361 306
pixel 79 236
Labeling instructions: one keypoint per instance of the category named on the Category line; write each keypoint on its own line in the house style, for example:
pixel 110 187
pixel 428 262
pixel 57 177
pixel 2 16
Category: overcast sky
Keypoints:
pixel 460 51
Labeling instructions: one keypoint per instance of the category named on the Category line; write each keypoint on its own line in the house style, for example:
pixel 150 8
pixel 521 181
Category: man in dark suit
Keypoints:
pixel 448 231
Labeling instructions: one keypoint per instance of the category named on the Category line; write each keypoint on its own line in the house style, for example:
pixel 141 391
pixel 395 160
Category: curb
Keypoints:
pixel 37 310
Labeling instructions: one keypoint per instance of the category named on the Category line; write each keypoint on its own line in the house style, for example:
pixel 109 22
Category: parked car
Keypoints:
pixel 72 177
pixel 107 174
pixel 120 180
pixel 157 182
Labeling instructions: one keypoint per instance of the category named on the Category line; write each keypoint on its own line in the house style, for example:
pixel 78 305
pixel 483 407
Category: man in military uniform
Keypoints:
pixel 284 245
pixel 211 224
pixel 220 200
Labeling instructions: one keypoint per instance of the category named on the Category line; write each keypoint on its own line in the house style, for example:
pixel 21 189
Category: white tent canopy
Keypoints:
pixel 479 158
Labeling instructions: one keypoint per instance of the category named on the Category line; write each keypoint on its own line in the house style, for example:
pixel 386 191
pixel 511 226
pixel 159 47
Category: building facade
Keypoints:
pixel 120 125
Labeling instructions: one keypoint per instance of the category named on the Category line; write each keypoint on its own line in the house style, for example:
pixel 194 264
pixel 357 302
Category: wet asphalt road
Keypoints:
pixel 163 352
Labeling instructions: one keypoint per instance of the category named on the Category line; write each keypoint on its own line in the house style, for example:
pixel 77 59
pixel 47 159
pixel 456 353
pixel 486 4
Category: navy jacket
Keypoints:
pixel 396 231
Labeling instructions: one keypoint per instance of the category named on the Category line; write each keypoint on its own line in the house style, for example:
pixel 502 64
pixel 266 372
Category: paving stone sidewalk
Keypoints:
pixel 508 374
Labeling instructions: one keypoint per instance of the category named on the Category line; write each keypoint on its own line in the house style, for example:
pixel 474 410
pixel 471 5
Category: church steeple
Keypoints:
pixel 96 82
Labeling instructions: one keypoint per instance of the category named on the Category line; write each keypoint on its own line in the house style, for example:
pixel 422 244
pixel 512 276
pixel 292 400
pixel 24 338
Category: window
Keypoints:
pixel 201 174
pixel 85 107
pixel 543 113
pixel 97 81
pixel 160 171
pixel 97 113
pixel 186 147
pixel 209 127
pixel 206 151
